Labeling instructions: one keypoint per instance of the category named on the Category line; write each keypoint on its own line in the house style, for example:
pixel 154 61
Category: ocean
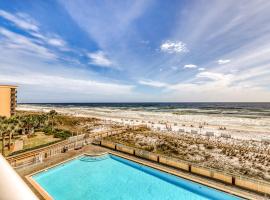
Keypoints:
pixel 249 110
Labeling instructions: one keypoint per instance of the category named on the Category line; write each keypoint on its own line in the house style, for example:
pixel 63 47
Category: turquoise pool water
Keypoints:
pixel 111 177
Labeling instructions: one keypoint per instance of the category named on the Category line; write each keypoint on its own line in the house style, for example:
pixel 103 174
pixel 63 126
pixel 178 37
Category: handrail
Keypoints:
pixel 12 187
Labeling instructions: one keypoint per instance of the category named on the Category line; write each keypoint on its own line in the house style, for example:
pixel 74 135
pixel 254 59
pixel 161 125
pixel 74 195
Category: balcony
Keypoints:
pixel 11 185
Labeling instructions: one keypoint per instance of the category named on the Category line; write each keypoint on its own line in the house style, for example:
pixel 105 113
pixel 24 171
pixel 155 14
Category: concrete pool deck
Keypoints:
pixel 95 150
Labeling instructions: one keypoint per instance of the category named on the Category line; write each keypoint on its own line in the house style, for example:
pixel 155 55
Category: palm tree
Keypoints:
pixel 11 129
pixel 8 127
pixel 29 123
pixel 41 120
pixel 52 114
pixel 2 136
pixel 3 129
pixel 21 125
pixel 35 123
pixel 2 133
pixel 14 128
pixel 26 123
pixel 11 122
pixel 8 132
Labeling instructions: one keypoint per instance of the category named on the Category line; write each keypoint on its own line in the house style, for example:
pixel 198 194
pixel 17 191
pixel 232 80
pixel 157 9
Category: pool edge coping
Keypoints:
pixel 150 164
pixel 166 169
pixel 45 195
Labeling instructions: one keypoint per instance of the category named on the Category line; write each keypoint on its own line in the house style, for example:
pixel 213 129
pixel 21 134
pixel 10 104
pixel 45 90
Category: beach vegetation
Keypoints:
pixel 36 129
pixel 63 134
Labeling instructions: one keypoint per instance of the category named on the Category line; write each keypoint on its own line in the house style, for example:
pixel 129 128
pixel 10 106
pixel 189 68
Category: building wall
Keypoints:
pixel 5 99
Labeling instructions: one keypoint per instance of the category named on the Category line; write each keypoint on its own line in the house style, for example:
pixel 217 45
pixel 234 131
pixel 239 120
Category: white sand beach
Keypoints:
pixel 226 126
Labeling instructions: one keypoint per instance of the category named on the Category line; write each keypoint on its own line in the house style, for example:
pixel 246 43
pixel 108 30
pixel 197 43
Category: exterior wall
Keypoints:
pixel 8 100
pixel 146 155
pixel 173 163
pixel 200 171
pixel 264 188
pixel 252 185
pixel 18 145
pixel 125 149
pixel 5 102
pixel 222 177
pixel 108 144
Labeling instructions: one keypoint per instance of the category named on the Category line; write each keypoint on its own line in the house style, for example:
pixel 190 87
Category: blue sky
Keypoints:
pixel 130 51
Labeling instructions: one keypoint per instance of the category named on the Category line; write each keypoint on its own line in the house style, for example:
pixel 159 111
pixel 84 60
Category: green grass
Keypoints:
pixel 39 139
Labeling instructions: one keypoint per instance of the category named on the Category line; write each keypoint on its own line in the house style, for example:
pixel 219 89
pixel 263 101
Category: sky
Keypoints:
pixel 136 50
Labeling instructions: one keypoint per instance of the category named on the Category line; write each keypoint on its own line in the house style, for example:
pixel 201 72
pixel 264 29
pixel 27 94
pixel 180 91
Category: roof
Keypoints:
pixel 8 86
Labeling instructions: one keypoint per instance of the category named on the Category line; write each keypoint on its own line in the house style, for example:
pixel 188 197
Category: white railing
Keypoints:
pixel 12 187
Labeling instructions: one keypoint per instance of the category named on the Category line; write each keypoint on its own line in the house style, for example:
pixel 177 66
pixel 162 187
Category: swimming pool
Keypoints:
pixel 112 177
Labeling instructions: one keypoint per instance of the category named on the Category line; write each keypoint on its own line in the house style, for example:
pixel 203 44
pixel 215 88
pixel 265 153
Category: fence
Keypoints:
pixel 38 155
pixel 232 179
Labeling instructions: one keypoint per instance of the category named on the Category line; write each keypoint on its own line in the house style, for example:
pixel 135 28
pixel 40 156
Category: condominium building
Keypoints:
pixel 8 100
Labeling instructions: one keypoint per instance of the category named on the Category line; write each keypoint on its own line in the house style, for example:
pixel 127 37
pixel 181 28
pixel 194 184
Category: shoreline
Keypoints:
pixel 236 127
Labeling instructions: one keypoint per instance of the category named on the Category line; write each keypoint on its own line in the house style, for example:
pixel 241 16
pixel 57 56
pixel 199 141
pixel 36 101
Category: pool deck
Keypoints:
pixel 96 150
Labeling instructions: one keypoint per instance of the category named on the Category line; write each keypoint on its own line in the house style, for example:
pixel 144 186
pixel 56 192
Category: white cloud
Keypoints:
pixel 201 69
pixel 153 83
pixel 25 22
pixel 27 61
pixel 100 59
pixel 246 44
pixel 50 83
pixel 56 42
pixel 25 45
pixel 216 87
pixel 173 47
pixel 21 20
pixel 221 62
pixel 212 86
pixel 210 75
pixel 68 84
pixel 216 91
pixel 190 66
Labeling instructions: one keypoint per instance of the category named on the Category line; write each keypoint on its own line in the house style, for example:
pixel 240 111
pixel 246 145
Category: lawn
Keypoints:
pixel 36 140
pixel 39 139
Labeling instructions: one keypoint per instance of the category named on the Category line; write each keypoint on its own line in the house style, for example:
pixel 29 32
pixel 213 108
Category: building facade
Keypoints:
pixel 8 100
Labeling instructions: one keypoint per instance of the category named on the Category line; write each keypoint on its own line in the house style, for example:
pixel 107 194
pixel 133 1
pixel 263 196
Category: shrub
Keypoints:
pixel 47 130
pixel 62 134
